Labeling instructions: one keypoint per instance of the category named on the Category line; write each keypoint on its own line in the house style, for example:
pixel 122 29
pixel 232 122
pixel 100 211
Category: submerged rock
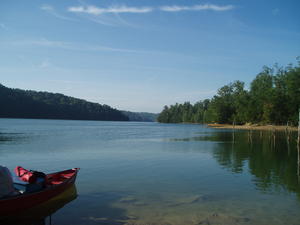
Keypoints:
pixel 128 199
pixel 132 200
pixel 223 219
pixel 193 199
pixel 105 221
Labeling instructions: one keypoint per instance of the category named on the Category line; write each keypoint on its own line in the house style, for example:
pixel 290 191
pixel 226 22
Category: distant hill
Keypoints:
pixel 17 103
pixel 141 116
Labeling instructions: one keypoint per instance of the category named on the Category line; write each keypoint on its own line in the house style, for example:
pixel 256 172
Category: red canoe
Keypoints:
pixel 56 184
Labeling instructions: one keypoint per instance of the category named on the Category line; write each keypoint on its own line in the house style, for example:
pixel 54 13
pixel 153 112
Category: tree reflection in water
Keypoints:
pixel 274 162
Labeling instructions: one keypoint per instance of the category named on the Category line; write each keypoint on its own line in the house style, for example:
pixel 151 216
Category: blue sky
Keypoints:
pixel 140 55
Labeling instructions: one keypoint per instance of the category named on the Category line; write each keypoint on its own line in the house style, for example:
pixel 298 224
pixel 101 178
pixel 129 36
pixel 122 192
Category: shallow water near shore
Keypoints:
pixel 150 173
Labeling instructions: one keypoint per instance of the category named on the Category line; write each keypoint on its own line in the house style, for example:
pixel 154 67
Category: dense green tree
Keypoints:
pixel 292 82
pixel 141 116
pixel 184 113
pixel 164 116
pixel 273 98
pixel 16 103
pixel 241 99
pixel 261 92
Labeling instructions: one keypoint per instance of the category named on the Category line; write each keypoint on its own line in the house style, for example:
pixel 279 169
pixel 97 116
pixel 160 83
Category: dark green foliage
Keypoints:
pixel 184 113
pixel 273 98
pixel 140 116
pixel 16 103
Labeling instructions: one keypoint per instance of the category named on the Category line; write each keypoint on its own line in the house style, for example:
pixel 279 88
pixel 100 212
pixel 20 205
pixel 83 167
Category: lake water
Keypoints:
pixel 150 173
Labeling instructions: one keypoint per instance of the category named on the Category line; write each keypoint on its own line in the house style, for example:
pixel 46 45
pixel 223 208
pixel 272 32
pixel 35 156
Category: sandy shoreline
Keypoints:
pixel 252 127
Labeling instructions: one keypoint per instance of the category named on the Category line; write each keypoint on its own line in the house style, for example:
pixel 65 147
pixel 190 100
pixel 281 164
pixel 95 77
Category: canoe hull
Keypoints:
pixel 38 214
pixel 19 203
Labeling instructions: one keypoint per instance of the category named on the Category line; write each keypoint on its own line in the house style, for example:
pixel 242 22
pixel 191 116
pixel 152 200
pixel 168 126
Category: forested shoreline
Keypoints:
pixel 273 98
pixel 140 116
pixel 17 103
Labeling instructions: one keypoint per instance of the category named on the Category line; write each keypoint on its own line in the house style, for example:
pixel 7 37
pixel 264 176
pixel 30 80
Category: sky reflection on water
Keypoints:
pixel 149 173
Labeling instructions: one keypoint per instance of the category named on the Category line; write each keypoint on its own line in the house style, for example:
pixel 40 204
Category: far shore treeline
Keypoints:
pixel 273 98
pixel 17 103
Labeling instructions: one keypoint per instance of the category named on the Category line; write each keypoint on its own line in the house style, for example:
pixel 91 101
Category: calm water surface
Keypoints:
pixel 150 173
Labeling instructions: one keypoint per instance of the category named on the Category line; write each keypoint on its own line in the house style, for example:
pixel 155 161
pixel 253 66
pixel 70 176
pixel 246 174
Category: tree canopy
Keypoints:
pixel 273 98
pixel 17 103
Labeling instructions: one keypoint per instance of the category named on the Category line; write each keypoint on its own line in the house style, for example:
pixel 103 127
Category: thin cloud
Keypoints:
pixel 124 22
pixel 110 16
pixel 114 19
pixel 105 21
pixel 176 8
pixel 49 9
pixel 113 9
pixel 42 42
pixel 74 46
pixel 108 20
pixel 93 10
